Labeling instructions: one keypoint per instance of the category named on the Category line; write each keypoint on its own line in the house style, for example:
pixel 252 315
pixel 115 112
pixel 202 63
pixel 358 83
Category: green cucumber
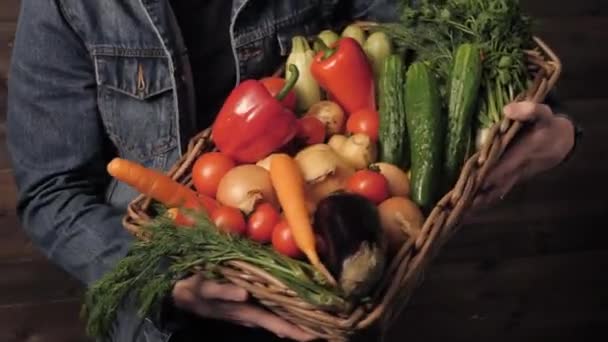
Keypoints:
pixel 393 134
pixel 424 122
pixel 464 83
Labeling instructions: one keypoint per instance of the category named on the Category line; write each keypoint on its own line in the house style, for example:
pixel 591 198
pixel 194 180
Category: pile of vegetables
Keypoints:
pixel 319 177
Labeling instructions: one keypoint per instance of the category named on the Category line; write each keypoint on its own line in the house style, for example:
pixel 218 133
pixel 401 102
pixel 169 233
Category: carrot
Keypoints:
pixel 156 185
pixel 289 186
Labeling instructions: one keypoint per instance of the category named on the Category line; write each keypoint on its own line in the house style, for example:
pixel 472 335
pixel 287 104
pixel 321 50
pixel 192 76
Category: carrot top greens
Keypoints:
pixel 433 30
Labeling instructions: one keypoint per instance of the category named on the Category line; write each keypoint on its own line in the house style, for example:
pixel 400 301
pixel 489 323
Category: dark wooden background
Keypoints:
pixel 531 269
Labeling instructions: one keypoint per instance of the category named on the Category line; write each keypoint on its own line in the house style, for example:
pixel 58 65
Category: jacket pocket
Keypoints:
pixel 137 103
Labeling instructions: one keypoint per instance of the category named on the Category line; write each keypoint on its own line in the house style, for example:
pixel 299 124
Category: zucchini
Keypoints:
pixel 464 83
pixel 393 134
pixel 424 122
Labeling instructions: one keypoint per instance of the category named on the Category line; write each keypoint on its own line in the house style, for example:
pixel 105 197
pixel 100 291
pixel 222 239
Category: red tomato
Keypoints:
pixel 274 86
pixel 208 170
pixel 200 204
pixel 261 223
pixel 370 184
pixel 229 219
pixel 312 130
pixel 365 121
pixel 283 241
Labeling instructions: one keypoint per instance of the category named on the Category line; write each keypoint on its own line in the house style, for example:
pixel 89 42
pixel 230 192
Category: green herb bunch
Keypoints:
pixel 169 253
pixel 433 30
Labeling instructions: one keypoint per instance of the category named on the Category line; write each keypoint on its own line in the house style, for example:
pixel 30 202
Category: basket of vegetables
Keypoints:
pixel 327 190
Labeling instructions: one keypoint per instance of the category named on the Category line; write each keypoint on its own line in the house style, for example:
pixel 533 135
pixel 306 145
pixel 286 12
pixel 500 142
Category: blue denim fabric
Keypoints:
pixel 94 79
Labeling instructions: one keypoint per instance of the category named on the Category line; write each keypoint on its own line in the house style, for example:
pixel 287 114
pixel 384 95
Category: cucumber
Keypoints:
pixel 393 134
pixel 463 85
pixel 424 122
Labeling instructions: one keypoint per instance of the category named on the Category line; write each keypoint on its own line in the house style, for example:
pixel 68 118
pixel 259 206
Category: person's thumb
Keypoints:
pixel 527 111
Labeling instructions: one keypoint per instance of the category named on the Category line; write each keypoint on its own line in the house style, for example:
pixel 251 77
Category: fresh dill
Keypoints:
pixel 168 253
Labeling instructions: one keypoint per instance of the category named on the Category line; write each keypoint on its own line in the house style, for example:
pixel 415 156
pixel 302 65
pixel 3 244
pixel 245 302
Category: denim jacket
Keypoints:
pixel 94 79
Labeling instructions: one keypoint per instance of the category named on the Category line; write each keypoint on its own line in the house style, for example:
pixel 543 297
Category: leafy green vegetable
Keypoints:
pixel 153 265
pixel 434 29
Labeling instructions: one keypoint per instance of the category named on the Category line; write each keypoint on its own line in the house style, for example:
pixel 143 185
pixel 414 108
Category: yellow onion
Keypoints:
pixel 323 170
pixel 244 186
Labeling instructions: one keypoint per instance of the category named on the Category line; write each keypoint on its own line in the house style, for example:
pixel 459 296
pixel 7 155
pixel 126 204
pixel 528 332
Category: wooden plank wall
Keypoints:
pixel 531 269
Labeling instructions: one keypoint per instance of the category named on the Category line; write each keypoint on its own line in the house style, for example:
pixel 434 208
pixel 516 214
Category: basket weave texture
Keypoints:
pixel 405 270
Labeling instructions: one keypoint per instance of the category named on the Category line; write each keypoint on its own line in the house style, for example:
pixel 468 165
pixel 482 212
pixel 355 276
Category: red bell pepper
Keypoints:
pixel 252 123
pixel 275 85
pixel 346 75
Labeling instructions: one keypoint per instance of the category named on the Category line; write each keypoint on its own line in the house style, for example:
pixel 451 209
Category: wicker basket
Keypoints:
pixel 406 269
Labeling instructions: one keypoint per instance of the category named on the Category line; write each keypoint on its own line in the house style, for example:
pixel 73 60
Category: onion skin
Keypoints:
pixel 324 171
pixel 265 163
pixel 355 254
pixel 318 162
pixel 332 183
pixel 244 186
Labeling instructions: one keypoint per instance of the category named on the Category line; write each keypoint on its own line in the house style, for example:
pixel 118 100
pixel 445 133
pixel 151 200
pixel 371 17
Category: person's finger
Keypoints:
pixel 183 295
pixel 527 111
pixel 508 165
pixel 209 289
pixel 485 199
pixel 251 316
pixel 514 160
pixel 272 323
pixel 502 190
pixel 478 204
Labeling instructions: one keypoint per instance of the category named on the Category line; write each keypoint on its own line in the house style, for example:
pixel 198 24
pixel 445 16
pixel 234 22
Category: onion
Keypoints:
pixel 398 181
pixel 330 114
pixel 244 186
pixel 324 171
pixel 265 163
pixel 333 183
pixel 319 161
pixel 401 219
pixel 359 150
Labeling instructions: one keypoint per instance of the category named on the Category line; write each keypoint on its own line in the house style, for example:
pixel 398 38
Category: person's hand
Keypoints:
pixel 541 147
pixel 214 300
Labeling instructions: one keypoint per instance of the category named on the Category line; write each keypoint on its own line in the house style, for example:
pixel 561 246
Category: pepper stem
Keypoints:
pixel 328 53
pixel 291 82
pixel 320 45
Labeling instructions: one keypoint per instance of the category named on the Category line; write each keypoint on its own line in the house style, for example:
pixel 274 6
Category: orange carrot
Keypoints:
pixel 289 186
pixel 156 185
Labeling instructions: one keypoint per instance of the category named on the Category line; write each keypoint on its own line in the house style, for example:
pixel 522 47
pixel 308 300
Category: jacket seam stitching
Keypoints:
pixel 171 61
pixel 70 20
